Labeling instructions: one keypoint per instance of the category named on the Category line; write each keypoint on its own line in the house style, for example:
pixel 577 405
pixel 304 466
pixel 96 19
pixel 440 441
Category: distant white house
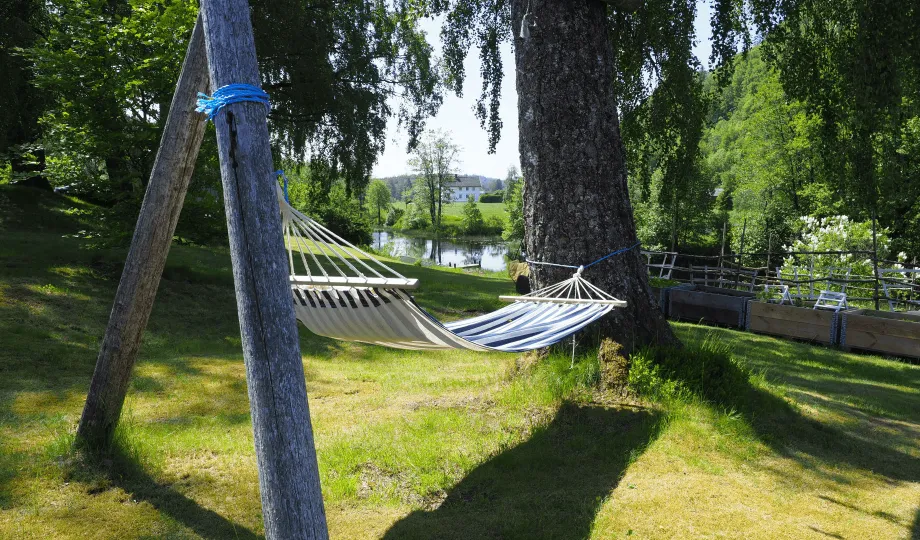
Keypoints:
pixel 464 187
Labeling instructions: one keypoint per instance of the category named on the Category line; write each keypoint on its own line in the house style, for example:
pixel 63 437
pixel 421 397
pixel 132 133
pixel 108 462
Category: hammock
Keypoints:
pixel 343 293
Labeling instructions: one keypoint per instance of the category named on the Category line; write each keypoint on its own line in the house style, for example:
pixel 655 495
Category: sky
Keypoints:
pixel 456 115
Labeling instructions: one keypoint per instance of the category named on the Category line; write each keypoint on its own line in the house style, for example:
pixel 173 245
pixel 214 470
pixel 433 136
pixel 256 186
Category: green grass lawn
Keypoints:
pixel 453 212
pixel 424 445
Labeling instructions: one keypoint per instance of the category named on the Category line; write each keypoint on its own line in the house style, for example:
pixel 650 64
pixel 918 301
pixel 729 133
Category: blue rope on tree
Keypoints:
pixel 617 252
pixel 589 265
pixel 232 93
pixel 284 178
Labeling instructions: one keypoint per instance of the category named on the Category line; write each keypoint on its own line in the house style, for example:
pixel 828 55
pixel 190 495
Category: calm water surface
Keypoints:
pixel 489 254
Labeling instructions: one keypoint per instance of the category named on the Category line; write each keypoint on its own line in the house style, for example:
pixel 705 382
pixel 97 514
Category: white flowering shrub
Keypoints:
pixel 837 233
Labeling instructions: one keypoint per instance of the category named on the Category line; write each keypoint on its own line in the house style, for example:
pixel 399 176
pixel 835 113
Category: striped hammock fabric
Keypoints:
pixel 344 293
pixel 390 317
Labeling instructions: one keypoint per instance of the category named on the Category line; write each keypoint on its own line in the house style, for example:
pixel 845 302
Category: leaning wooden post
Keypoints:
pixel 156 224
pixel 292 503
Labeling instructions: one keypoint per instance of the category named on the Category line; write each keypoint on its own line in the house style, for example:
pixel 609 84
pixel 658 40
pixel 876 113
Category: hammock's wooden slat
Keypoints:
pixel 330 281
pixel 539 299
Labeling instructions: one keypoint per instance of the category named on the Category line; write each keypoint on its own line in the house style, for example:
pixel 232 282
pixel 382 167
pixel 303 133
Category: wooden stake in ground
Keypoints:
pixel 292 503
pixel 156 224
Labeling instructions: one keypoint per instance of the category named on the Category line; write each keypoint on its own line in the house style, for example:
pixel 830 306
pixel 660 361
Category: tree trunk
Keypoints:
pixel 156 224
pixel 576 201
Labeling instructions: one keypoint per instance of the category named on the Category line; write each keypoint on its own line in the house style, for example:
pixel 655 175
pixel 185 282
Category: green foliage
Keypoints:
pixel 393 216
pixel 854 64
pixel 336 208
pixel 110 68
pixel 21 23
pixel 494 197
pixel 664 109
pixel 107 71
pixel 704 369
pixel 378 197
pixel 494 226
pixel 761 151
pixel 514 204
pixel 472 222
pixel 435 161
pixel 416 217
pixel 331 69
pixel 671 191
pixel 661 283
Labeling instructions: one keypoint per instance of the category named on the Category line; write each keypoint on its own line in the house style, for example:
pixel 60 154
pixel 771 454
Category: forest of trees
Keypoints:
pixel 771 154
pixel 812 122
pixel 760 167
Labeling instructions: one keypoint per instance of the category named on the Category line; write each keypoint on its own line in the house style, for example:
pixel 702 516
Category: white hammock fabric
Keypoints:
pixel 343 293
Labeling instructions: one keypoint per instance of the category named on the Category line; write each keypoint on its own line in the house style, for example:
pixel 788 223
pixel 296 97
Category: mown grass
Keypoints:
pixel 426 445
pixel 452 213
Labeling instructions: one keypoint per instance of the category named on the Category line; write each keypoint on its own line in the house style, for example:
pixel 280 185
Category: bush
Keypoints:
pixel 472 221
pixel 494 197
pixel 706 370
pixel 662 283
pixel 342 214
pixel 494 226
pixel 840 233
pixel 416 217
pixel 393 216
pixel 514 229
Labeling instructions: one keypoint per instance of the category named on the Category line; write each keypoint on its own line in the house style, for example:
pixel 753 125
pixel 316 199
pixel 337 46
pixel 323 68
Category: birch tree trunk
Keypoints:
pixel 576 202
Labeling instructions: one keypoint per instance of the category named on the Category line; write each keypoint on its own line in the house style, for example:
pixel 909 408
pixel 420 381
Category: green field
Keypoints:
pixel 452 212
pixel 454 444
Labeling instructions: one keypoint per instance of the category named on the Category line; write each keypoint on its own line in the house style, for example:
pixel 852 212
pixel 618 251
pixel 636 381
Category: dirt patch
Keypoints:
pixel 469 403
pixel 373 480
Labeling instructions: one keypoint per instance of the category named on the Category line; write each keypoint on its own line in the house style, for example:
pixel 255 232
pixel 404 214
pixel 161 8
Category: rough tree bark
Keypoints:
pixel 292 503
pixel 576 202
pixel 156 224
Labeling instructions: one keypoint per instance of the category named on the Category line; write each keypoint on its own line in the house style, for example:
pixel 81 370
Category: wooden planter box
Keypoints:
pixel 805 323
pixel 663 295
pixel 711 305
pixel 897 334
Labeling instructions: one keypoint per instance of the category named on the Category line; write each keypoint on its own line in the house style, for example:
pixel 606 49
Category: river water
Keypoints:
pixel 490 254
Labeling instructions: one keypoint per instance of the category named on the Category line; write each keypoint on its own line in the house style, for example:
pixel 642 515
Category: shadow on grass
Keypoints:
pixel 548 487
pixel 827 379
pixel 796 436
pixel 793 435
pixel 813 443
pixel 915 529
pixel 124 471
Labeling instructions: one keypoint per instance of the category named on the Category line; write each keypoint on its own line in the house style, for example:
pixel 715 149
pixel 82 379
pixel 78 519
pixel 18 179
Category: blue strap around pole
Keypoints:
pixel 231 93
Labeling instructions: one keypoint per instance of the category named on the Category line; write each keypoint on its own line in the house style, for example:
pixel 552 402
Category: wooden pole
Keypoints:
pixel 722 253
pixel 769 249
pixel 292 503
pixel 741 253
pixel 875 258
pixel 156 224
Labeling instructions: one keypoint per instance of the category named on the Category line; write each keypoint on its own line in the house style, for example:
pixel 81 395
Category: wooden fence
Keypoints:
pixel 898 288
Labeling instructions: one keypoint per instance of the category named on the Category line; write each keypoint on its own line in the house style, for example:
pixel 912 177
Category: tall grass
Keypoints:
pixel 705 369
